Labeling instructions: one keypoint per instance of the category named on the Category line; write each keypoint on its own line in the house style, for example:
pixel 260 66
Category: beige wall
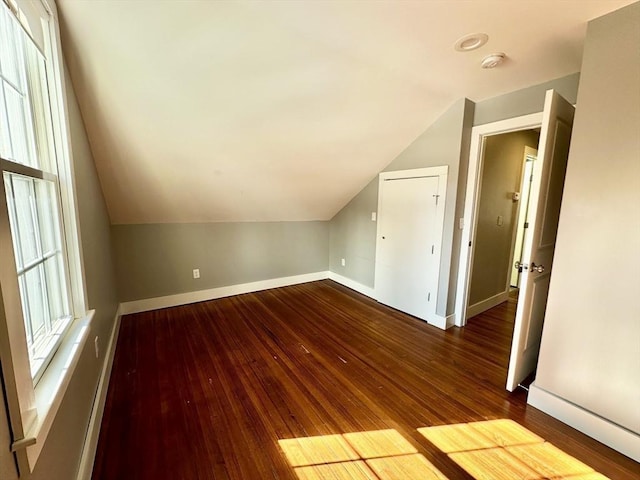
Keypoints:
pixel 590 352
pixel 501 176
pixel 158 259
pixel 60 456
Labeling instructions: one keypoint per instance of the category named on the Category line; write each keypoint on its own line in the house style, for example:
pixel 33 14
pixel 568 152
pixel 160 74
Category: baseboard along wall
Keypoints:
pixel 93 430
pixel 611 434
pixel 156 303
pixel 486 304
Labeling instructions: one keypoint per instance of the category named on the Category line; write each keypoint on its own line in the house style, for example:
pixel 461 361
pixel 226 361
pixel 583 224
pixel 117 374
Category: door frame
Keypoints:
pixel 471 201
pixel 521 214
pixel 442 173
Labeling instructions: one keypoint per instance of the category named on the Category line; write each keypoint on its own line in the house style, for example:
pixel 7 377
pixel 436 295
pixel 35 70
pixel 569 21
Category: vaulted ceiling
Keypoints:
pixel 213 111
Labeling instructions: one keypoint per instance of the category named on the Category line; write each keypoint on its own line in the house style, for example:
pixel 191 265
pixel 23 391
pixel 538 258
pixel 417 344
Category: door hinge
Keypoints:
pixel 526 224
pixel 432 247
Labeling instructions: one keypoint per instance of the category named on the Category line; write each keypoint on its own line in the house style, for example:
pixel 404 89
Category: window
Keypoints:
pixel 32 192
pixel 43 321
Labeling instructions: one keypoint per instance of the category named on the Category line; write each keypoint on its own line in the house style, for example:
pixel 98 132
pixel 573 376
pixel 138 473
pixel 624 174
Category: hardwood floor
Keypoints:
pixel 221 390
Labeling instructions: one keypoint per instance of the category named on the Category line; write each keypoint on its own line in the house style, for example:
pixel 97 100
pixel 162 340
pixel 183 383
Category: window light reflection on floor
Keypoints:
pixel 371 455
pixel 489 450
pixel 503 449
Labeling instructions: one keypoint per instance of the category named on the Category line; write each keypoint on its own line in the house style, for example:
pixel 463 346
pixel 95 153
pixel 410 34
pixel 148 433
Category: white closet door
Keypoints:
pixel 409 238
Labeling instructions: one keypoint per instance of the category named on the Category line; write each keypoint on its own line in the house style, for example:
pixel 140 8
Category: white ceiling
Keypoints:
pixel 208 111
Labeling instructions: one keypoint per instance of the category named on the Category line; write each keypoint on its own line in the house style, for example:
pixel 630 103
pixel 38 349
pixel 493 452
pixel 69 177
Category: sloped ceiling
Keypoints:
pixel 210 111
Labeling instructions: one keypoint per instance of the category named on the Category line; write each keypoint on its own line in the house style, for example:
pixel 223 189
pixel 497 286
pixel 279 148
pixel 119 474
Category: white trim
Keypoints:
pixel 144 305
pixel 415 173
pixel 93 431
pixel 54 382
pixel 66 167
pixel 434 320
pixel 443 322
pixel 615 436
pixel 487 303
pixel 474 175
pixel 352 284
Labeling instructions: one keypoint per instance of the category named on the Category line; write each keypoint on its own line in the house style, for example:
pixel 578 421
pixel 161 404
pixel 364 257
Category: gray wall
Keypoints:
pixel 501 175
pixel 590 352
pixel 157 259
pixel 524 101
pixel 445 142
pixel 60 456
pixel 353 234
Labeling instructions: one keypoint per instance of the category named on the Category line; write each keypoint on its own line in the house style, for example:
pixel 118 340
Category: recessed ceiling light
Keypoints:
pixel 493 60
pixel 470 42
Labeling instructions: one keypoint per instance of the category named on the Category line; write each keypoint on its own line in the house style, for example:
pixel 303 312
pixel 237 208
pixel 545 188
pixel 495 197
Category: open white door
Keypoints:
pixel 540 239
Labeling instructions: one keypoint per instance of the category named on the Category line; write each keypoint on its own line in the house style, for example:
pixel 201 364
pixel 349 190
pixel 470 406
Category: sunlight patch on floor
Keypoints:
pixel 315 450
pixel 488 450
pixel 371 455
pixel 503 449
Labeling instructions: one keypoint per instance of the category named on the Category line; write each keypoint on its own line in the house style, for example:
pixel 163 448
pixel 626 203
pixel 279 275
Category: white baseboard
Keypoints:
pixel 95 421
pixel 615 436
pixel 484 305
pixel 156 303
pixel 444 322
pixel 352 284
pixel 436 320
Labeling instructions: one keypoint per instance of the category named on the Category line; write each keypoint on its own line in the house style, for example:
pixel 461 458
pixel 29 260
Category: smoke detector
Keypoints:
pixel 470 42
pixel 493 60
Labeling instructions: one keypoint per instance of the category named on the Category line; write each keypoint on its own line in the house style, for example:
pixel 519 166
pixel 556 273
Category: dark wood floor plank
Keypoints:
pixel 205 391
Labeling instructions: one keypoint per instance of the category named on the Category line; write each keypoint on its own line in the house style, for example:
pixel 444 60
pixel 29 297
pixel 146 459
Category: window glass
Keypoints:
pixel 32 194
pixel 24 230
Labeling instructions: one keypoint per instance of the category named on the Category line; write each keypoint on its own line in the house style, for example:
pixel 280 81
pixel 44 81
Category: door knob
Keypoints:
pixel 520 266
pixel 537 268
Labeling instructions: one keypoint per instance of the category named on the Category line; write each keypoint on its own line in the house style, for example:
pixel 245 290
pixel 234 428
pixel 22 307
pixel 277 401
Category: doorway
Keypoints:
pixel 543 211
pixel 501 219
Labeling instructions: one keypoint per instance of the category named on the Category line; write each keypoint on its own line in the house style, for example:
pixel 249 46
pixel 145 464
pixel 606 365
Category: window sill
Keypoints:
pixel 53 384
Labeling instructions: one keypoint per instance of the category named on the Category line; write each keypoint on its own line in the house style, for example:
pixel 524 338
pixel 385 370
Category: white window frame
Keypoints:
pixel 32 410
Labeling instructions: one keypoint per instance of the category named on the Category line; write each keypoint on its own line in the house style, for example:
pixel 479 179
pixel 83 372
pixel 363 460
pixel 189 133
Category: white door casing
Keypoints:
pixel 530 155
pixel 540 239
pixel 409 239
pixel 471 204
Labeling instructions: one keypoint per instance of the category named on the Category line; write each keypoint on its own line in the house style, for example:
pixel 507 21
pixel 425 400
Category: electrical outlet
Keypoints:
pixel 343 262
pixel 97 347
pixel 196 273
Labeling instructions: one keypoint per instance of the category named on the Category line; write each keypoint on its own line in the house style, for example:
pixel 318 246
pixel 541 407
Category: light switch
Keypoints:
pixel 373 216
pixel 499 222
